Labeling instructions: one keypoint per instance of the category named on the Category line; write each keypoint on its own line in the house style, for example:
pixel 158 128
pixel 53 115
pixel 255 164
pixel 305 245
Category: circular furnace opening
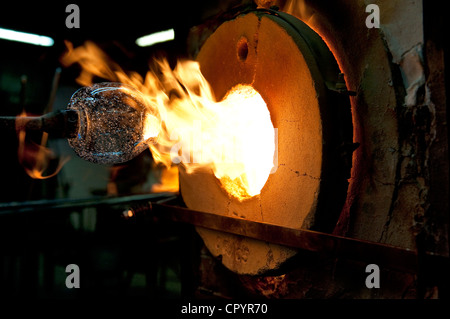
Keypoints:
pixel 247 164
pixel 295 73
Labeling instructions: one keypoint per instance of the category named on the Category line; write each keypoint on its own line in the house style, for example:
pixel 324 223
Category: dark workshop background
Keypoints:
pixel 401 198
pixel 115 257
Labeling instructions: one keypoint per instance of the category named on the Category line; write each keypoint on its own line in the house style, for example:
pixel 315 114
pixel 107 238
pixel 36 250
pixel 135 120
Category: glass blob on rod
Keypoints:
pixel 106 123
pixel 114 125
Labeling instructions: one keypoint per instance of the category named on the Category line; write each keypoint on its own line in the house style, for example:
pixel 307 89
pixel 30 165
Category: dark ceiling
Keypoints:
pixel 113 25
pixel 28 71
pixel 118 20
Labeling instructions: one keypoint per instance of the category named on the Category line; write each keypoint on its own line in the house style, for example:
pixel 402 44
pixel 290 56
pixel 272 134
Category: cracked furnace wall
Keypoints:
pixel 394 117
pixel 398 192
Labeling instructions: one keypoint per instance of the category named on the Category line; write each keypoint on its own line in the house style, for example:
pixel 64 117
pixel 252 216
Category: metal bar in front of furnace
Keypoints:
pixel 388 256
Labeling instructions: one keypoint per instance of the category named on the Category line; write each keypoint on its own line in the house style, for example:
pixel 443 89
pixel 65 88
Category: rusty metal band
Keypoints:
pixel 166 207
pixel 385 256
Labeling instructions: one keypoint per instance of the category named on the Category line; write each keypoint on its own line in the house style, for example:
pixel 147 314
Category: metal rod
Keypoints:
pixel 161 206
pixel 45 206
pixel 385 256
pixel 62 123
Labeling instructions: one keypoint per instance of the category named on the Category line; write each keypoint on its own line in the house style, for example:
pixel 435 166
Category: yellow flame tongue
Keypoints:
pixel 249 142
pixel 234 137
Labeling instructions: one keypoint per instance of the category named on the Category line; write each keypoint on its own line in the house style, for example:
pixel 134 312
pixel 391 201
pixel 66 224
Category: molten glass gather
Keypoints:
pixel 234 137
pixel 113 124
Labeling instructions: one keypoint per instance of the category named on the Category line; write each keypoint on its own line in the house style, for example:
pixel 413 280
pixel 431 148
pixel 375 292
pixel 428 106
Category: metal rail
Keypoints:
pixel 46 206
pixel 370 252
pixel 165 207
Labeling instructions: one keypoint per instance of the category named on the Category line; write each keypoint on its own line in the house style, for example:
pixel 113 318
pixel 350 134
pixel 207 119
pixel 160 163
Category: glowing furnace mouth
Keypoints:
pixel 249 143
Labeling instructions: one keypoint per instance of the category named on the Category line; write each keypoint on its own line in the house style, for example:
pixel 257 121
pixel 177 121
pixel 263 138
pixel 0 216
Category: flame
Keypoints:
pixel 299 8
pixel 233 137
pixel 35 158
pixel 168 181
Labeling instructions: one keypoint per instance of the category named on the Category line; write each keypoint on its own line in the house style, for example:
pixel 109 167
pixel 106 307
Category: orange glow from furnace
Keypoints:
pixel 35 158
pixel 233 137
